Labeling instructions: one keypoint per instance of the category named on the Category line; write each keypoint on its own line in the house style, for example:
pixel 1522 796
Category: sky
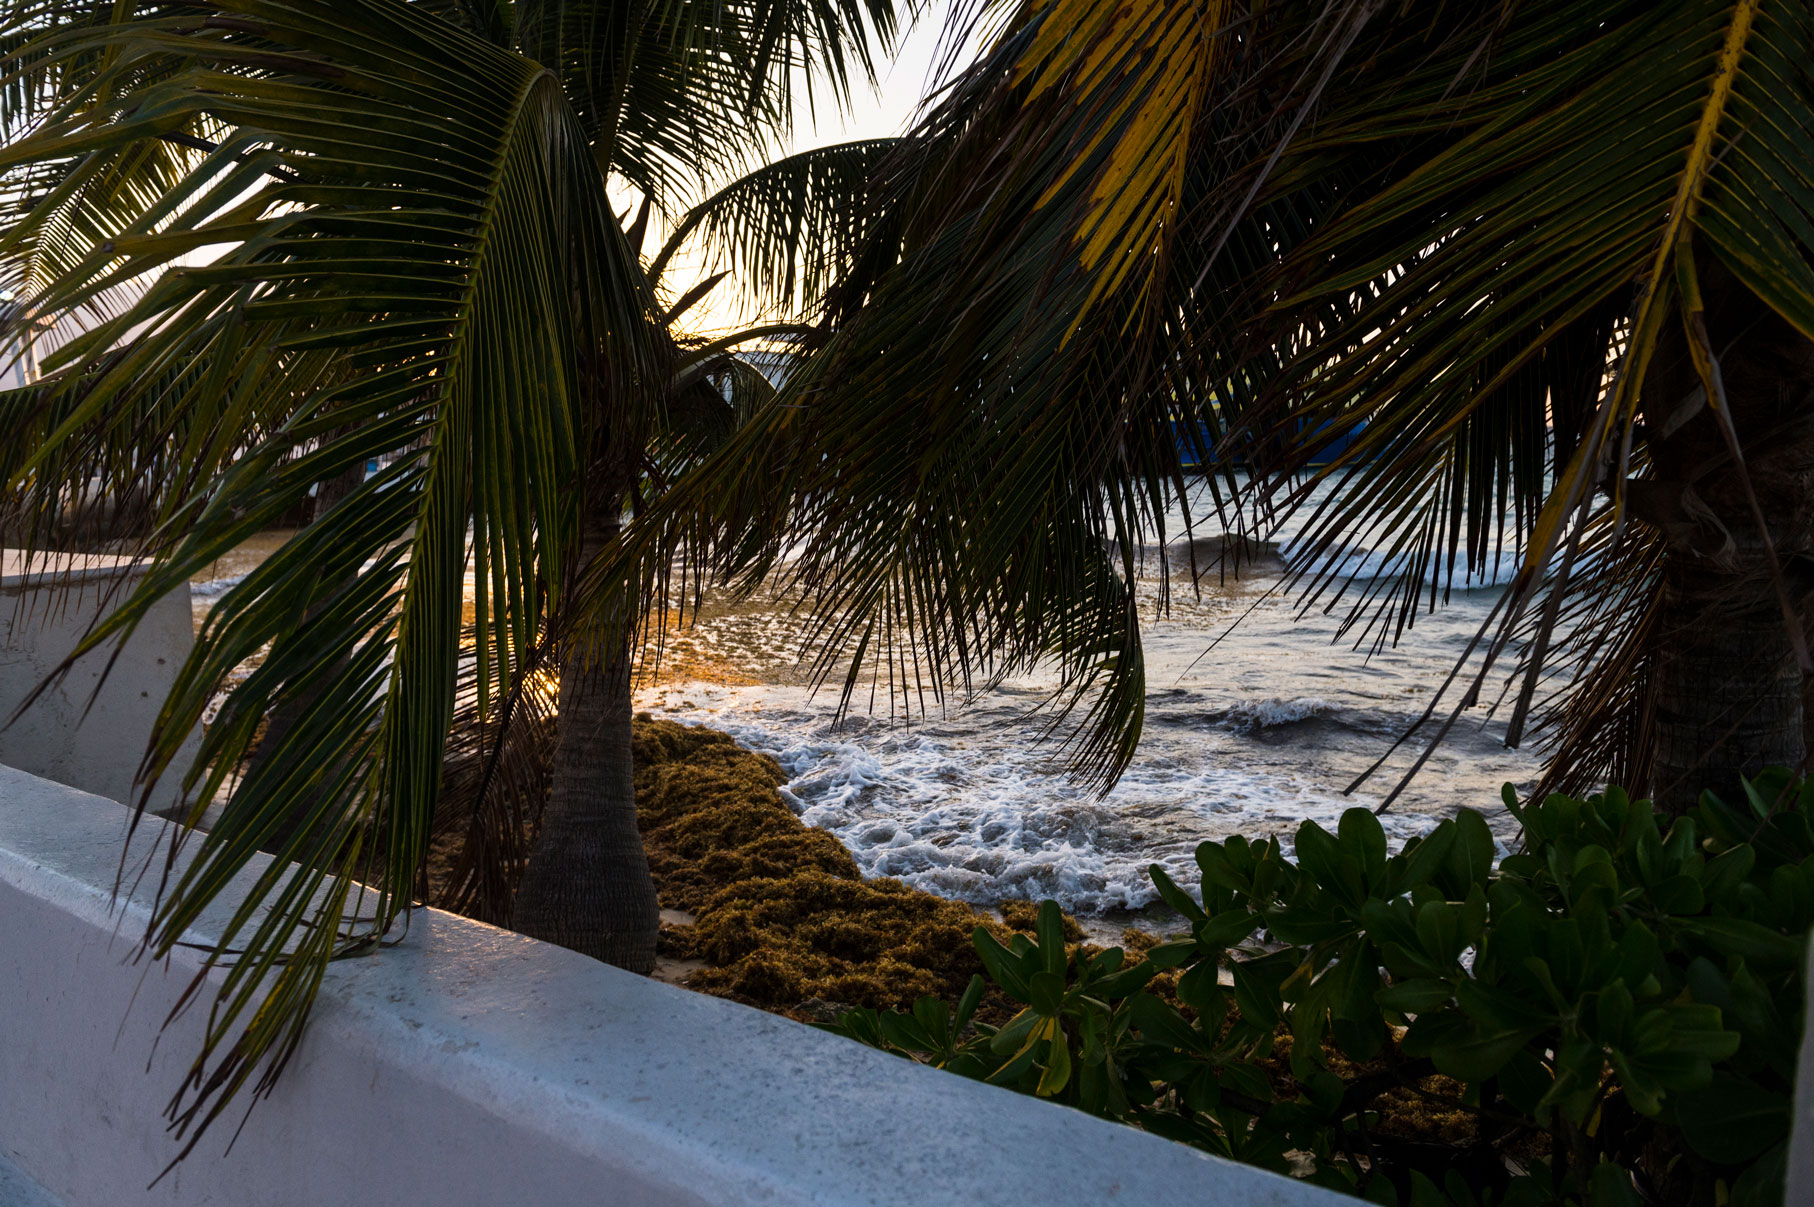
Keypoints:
pixel 886 110
pixel 900 87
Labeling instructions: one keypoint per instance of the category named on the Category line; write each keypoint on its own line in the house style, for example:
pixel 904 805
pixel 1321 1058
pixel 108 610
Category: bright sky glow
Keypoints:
pixel 901 85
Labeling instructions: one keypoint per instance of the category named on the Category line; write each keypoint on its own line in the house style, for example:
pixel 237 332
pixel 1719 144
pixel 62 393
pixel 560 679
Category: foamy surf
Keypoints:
pixel 1273 712
pixel 214 588
pixel 967 809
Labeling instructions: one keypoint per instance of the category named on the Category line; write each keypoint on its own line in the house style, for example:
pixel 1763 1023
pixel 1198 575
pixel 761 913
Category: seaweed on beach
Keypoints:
pixel 783 916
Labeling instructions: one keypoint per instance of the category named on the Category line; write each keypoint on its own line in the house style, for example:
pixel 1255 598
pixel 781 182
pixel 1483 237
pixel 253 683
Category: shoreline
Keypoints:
pixel 765 909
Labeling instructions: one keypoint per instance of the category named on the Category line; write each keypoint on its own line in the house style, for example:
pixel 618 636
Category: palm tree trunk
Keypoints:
pixel 1728 688
pixel 329 493
pixel 1728 700
pixel 587 885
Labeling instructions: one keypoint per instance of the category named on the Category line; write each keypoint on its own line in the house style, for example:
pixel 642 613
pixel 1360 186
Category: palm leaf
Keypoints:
pixel 435 273
pixel 790 228
pixel 77 204
pixel 939 550
pixel 673 92
pixel 1421 232
pixel 493 791
pixel 1572 180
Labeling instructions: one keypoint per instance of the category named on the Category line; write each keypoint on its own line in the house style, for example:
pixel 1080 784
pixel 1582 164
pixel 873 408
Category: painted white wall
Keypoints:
pixel 469 1065
pixel 1800 1182
pixel 18 1190
pixel 45 610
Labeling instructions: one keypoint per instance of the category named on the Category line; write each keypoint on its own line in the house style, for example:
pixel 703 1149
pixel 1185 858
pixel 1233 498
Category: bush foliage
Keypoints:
pixel 1609 1015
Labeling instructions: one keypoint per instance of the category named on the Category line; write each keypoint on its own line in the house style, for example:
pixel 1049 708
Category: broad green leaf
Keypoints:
pixel 1733 1120
pixel 1747 940
pixel 1415 996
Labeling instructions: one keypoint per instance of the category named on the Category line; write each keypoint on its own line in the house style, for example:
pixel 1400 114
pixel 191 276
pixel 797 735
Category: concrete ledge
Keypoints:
pixel 469 1065
pixel 17 1190
pixel 92 727
pixel 42 569
pixel 1800 1180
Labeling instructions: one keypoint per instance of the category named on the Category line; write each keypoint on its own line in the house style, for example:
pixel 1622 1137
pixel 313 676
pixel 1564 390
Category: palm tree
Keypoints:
pixel 1543 273
pixel 309 234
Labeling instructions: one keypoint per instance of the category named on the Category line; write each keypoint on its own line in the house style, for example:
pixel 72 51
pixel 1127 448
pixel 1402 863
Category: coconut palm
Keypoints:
pixel 1451 281
pixel 310 235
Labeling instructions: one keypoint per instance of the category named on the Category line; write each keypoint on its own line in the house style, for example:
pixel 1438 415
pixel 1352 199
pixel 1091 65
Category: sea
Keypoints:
pixel 1261 713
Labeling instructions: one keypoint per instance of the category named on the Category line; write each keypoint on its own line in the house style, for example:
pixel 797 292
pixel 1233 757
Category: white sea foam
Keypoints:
pixel 972 806
pixel 970 810
pixel 1344 562
pixel 214 588
pixel 1248 715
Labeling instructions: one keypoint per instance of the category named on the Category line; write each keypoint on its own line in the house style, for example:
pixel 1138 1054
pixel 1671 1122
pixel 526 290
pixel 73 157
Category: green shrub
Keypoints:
pixel 1610 1015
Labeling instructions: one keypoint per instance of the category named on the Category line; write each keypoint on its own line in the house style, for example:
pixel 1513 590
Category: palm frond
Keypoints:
pixel 677 92
pixel 1448 240
pixel 1568 183
pixel 420 263
pixel 493 791
pixel 76 204
pixel 939 548
pixel 790 228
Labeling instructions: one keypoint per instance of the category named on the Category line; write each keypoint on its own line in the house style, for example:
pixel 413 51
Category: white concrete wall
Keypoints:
pixel 1800 1182
pixel 472 1066
pixel 45 610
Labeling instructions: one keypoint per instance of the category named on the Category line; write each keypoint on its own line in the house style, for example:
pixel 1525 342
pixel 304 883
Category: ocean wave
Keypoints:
pixel 1273 712
pixel 1366 564
pixel 213 588
pixel 969 817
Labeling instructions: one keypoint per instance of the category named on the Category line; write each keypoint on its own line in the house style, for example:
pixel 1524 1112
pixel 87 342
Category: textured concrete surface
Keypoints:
pixel 468 1065
pixel 71 733
pixel 1800 1182
pixel 18 1190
